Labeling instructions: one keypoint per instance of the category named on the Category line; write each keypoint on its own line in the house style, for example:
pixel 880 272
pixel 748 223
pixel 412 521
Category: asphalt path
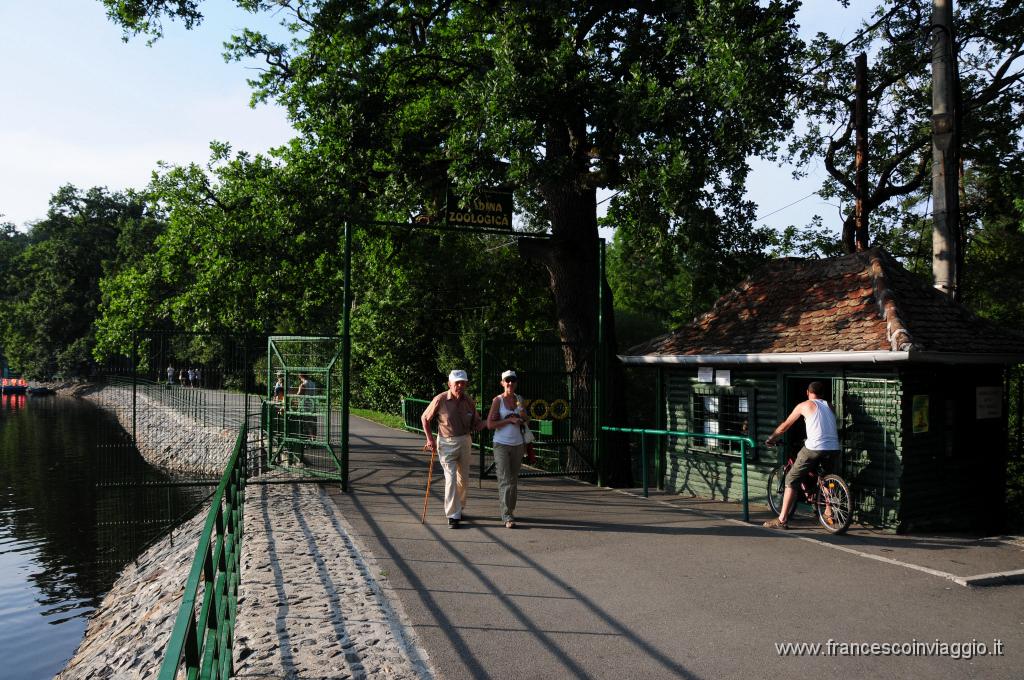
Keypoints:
pixel 597 583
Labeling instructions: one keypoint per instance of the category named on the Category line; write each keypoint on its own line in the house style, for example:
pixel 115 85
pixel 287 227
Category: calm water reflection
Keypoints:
pixel 73 512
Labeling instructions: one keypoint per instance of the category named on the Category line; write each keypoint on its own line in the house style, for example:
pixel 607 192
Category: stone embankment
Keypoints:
pixel 165 437
pixel 308 605
pixel 128 633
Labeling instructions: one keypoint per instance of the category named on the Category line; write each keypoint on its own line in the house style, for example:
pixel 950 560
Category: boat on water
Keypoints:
pixel 13 386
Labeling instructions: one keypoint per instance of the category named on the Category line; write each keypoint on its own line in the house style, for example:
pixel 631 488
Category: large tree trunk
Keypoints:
pixel 860 116
pixel 572 258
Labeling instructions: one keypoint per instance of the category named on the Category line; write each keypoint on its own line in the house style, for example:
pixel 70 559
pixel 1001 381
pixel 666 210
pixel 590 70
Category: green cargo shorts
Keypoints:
pixel 806 459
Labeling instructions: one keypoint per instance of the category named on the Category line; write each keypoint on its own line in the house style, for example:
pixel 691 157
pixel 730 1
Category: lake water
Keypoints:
pixel 77 504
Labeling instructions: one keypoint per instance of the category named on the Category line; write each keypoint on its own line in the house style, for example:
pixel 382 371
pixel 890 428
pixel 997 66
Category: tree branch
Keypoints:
pixel 1000 81
pixel 833 146
pixel 884 191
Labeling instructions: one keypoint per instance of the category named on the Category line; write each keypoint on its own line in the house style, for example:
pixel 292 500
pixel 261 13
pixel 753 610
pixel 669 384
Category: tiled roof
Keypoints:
pixel 861 302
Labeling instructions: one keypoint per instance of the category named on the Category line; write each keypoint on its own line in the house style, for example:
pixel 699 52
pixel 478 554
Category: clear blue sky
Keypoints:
pixel 82 107
pixel 772 187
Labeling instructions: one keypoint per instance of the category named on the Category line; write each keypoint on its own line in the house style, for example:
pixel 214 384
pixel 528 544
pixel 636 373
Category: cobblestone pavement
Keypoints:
pixel 309 606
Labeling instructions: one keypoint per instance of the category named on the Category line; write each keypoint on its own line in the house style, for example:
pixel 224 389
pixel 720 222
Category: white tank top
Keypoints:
pixel 821 428
pixel 510 435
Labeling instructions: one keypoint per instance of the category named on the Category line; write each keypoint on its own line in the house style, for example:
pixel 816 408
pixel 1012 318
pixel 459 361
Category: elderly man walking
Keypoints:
pixel 457 420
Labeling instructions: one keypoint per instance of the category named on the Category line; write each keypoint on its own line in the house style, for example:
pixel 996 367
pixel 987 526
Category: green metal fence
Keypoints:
pixel 306 430
pixel 744 443
pixel 412 414
pixel 558 383
pixel 206 407
pixel 202 644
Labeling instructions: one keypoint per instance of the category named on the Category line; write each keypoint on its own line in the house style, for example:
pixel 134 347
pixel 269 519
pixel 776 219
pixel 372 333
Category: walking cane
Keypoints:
pixel 430 475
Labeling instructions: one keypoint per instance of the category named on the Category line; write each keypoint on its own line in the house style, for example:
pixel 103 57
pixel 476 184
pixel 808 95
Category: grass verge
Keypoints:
pixel 386 419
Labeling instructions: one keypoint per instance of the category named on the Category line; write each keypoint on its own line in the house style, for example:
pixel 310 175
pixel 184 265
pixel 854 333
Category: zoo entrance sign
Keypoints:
pixel 486 209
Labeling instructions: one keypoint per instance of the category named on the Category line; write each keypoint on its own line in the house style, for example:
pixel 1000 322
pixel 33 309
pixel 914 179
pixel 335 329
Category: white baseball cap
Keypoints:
pixel 457 376
pixel 509 374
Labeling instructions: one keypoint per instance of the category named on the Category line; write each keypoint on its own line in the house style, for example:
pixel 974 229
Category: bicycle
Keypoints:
pixel 827 493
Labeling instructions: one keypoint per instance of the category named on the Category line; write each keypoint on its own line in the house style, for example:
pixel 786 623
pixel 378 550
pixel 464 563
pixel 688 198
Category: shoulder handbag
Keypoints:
pixel 527 432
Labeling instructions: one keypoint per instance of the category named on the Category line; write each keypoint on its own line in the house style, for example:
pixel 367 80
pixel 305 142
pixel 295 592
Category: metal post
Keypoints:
pixel 480 395
pixel 659 424
pixel 643 461
pixel 743 468
pixel 1020 413
pixel 598 369
pixel 327 404
pixel 245 374
pixel 945 151
pixel 135 352
pixel 346 355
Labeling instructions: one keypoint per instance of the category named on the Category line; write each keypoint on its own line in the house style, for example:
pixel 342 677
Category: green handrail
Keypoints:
pixel 744 443
pixel 204 644
pixel 406 414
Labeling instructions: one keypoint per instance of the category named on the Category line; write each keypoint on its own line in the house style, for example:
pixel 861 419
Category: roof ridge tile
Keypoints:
pixel 900 339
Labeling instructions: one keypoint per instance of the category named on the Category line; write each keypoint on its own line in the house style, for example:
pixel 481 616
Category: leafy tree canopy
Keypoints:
pixel 989 43
pixel 52 276
pixel 660 101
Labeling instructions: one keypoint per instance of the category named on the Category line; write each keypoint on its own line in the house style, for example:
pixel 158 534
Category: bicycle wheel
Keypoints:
pixel 776 488
pixel 835 504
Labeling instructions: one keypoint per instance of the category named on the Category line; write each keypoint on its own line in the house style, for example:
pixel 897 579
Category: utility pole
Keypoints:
pixel 860 122
pixel 945 150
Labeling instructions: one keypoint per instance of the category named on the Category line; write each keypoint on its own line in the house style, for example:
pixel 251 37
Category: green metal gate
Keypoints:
pixel 301 419
pixel 871 456
pixel 558 389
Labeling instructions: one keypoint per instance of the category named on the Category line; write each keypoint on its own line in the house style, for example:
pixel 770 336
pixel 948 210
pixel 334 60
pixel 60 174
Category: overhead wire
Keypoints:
pixel 788 205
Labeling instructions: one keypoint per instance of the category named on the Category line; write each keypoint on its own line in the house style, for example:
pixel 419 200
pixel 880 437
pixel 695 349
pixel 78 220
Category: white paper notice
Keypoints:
pixel 989 402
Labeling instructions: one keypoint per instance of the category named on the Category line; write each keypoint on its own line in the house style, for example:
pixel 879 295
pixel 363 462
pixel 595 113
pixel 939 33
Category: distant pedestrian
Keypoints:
pixel 307 388
pixel 279 388
pixel 457 420
pixel 183 377
pixel 199 378
pixel 192 377
pixel 170 374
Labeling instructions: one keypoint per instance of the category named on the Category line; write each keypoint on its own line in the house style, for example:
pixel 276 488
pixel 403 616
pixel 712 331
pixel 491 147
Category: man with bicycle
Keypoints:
pixel 822 441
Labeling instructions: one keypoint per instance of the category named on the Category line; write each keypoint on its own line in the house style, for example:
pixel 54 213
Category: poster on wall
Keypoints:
pixel 723 378
pixel 920 418
pixel 988 402
pixel 705 374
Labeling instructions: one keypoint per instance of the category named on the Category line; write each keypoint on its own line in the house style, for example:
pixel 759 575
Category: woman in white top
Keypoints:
pixel 508 417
